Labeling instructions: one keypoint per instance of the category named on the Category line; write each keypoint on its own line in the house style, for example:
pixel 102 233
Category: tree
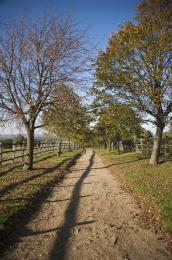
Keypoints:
pixel 66 117
pixel 167 136
pixel 146 134
pixel 35 58
pixel 116 122
pixel 137 66
pixel 18 139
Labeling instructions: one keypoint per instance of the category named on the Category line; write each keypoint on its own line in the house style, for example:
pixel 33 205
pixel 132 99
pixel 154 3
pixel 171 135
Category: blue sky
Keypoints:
pixel 101 16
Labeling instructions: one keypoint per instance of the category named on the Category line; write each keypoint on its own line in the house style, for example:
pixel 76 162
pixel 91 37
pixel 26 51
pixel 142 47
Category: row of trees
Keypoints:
pixel 66 118
pixel 115 121
pixel 136 71
pixel 36 60
pixel 40 63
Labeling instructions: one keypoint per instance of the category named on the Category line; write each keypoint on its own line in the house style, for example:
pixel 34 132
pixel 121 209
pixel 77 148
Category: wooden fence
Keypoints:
pixel 145 146
pixel 141 145
pixel 12 152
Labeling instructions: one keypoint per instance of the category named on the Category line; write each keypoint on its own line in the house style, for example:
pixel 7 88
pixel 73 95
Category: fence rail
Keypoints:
pixel 146 147
pixel 17 151
pixel 140 145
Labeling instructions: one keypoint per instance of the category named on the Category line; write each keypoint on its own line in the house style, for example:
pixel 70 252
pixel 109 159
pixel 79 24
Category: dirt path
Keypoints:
pixel 88 216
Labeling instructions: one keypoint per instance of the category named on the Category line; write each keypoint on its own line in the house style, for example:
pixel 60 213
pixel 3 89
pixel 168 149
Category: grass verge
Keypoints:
pixel 151 186
pixel 19 188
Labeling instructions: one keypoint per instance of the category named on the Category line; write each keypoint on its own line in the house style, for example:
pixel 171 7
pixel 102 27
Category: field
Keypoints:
pixel 19 188
pixel 151 186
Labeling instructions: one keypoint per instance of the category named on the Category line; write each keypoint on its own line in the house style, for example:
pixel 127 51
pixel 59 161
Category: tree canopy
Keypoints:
pixel 66 117
pixel 137 65
pixel 35 58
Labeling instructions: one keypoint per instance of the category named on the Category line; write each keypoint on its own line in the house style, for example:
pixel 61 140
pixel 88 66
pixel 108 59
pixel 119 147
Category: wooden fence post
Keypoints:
pixel 37 148
pixel 13 151
pixel 147 147
pixel 41 148
pixel 59 148
pixel 23 149
pixel 0 153
pixel 142 146
pixel 166 149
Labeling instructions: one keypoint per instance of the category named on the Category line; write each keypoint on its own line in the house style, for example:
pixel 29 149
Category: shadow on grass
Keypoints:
pixel 45 157
pixel 10 169
pixel 16 228
pixel 20 164
pixel 12 186
pixel 14 200
pixel 164 160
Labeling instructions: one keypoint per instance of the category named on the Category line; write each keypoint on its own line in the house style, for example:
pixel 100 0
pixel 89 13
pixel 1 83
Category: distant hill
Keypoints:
pixel 3 137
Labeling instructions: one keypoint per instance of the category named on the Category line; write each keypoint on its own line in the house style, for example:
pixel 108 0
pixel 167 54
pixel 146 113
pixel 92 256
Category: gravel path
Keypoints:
pixel 88 216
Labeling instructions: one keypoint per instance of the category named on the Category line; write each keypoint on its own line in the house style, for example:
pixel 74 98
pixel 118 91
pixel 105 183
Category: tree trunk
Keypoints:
pixel 156 146
pixel 59 151
pixel 118 147
pixel 118 144
pixel 105 145
pixel 110 146
pixel 69 146
pixel 28 165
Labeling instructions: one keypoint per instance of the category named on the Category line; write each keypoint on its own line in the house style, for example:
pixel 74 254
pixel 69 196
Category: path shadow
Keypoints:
pixel 78 176
pixel 59 250
pixel 108 166
pixel 49 201
pixel 58 229
pixel 17 223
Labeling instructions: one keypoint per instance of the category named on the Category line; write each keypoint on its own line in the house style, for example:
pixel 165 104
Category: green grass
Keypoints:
pixel 148 184
pixel 18 187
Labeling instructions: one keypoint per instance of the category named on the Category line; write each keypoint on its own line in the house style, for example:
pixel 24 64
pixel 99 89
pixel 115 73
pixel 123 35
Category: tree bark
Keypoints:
pixel 69 146
pixel 105 145
pixel 110 146
pixel 59 151
pixel 118 146
pixel 28 165
pixel 154 160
